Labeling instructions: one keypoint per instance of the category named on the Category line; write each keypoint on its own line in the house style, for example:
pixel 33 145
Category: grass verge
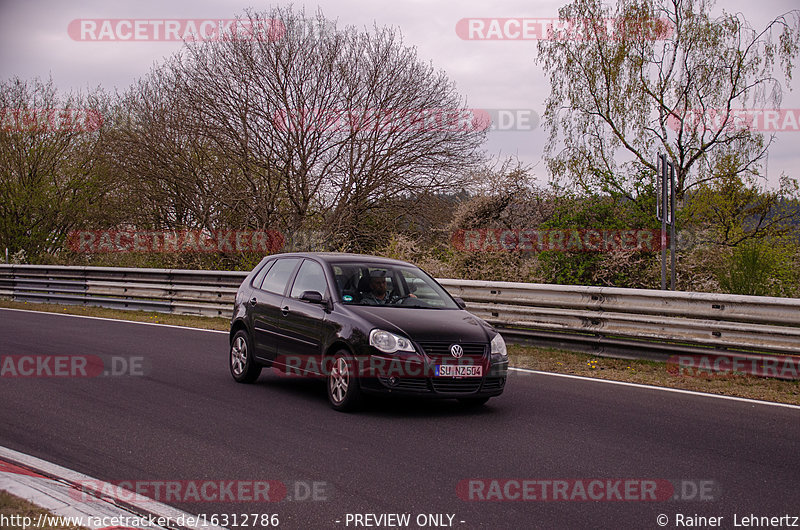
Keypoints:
pixel 653 373
pixel 16 510
pixel 543 359
pixel 190 321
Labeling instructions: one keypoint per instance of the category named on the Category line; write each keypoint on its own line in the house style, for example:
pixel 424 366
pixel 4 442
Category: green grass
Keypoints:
pixel 15 509
pixel 654 373
pixel 120 314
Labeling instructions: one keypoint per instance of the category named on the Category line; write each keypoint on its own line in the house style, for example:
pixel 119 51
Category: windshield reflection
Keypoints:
pixel 370 284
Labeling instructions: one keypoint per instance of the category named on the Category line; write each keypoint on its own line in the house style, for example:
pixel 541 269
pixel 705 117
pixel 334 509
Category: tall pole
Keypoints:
pixel 663 221
pixel 672 223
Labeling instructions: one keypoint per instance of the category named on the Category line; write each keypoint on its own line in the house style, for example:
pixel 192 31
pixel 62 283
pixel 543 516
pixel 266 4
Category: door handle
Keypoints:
pixel 285 310
pixel 253 301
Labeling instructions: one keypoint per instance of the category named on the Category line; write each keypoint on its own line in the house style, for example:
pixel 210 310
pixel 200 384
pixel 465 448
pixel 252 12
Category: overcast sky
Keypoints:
pixel 491 74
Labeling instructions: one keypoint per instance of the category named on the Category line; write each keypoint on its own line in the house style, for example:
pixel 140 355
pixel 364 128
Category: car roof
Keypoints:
pixel 341 257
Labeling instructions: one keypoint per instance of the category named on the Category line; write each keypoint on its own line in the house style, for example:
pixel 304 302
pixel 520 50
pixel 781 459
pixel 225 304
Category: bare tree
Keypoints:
pixel 53 178
pixel 178 177
pixel 303 125
pixel 664 76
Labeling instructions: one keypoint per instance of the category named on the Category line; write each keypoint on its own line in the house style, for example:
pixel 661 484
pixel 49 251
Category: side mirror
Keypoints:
pixel 461 303
pixel 311 296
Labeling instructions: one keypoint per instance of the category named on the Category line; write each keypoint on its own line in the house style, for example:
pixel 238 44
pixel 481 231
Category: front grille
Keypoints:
pixel 440 352
pixel 442 384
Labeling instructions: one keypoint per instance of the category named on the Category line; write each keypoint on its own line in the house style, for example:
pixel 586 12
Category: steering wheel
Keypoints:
pixel 397 300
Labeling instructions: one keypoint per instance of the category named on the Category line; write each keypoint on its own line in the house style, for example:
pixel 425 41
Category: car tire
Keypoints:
pixel 244 367
pixel 474 402
pixel 344 390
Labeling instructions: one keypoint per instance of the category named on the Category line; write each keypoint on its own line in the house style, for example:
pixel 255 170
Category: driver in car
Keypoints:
pixel 377 294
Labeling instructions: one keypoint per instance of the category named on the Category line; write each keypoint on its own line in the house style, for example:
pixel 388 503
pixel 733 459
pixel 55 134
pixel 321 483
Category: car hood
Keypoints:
pixel 451 325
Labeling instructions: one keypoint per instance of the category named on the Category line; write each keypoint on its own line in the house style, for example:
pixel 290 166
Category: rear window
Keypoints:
pixel 278 276
pixel 259 277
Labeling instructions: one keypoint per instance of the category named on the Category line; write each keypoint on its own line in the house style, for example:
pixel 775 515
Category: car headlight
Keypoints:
pixel 389 342
pixel 499 345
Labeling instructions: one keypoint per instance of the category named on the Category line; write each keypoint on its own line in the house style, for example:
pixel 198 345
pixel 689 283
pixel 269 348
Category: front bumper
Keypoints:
pixel 414 375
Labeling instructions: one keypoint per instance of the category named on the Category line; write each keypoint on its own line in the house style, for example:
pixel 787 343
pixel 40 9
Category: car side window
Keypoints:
pixel 277 277
pixel 418 286
pixel 310 277
pixel 260 276
pixel 347 282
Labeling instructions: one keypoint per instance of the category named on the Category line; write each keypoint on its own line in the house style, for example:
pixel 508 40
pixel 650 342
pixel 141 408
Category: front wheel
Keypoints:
pixel 344 392
pixel 244 368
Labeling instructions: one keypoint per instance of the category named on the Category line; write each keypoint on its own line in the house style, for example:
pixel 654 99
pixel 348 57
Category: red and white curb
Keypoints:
pixel 52 487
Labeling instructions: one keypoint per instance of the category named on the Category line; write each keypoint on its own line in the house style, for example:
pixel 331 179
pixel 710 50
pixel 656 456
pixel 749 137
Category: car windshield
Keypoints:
pixel 374 284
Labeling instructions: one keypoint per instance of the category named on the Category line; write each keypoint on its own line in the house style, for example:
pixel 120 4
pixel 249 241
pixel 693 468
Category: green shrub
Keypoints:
pixel 761 268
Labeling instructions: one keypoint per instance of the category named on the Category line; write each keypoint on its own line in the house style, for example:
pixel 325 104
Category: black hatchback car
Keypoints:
pixel 367 325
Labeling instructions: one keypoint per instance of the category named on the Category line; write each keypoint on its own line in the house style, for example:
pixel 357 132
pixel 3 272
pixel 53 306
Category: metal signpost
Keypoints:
pixel 665 212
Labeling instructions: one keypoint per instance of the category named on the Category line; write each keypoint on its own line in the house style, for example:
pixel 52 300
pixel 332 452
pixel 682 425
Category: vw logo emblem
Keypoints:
pixel 456 351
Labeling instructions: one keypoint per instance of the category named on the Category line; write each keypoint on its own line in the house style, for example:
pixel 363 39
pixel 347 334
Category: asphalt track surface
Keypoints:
pixel 186 419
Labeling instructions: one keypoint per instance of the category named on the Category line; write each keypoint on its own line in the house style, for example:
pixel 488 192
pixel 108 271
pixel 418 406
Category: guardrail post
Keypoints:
pixel 171 282
pixel 85 275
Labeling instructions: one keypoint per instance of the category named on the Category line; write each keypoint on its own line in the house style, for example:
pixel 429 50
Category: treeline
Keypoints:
pixel 733 236
pixel 312 131
pixel 344 140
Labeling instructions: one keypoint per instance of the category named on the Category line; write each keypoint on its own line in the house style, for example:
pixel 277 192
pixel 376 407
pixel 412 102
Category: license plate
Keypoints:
pixel 455 370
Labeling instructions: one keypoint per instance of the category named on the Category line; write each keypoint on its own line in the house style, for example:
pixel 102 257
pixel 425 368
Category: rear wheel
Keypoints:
pixel 244 368
pixel 344 391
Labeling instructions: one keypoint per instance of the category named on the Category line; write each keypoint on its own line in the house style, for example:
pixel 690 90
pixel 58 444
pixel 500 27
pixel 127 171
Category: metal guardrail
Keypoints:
pixel 637 323
pixel 185 292
pixel 602 320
